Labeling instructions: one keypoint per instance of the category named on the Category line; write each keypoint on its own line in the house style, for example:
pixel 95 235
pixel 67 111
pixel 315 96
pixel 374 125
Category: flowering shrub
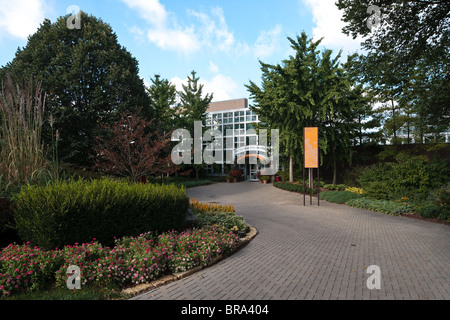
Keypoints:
pixel 355 190
pixel 211 207
pixel 23 267
pixel 217 214
pixel 235 173
pixel 198 246
pixel 131 261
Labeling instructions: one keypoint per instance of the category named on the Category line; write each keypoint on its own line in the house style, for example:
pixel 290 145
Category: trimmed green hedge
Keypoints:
pixel 68 212
pixel 293 187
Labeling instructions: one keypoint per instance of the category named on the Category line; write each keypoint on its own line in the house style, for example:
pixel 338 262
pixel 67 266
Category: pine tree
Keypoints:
pixel 193 107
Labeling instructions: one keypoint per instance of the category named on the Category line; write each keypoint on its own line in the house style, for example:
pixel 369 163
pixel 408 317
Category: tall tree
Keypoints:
pixel 88 77
pixel 411 38
pixel 309 88
pixel 162 95
pixel 193 107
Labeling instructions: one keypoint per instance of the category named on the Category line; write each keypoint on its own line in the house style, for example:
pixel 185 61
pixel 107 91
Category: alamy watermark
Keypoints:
pixel 74 281
pixel 191 150
pixel 374 281
pixel 374 20
pixel 74 21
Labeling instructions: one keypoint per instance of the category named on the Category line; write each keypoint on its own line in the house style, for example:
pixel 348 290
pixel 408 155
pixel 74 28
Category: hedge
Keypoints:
pixel 68 212
pixel 293 187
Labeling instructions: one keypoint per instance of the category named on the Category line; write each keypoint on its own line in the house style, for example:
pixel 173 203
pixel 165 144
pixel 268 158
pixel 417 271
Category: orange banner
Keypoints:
pixel 311 144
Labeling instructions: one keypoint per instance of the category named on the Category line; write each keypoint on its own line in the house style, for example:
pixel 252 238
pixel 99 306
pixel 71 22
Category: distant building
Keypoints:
pixel 237 123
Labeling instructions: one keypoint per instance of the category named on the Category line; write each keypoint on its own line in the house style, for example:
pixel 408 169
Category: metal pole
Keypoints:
pixel 304 186
pixel 318 188
pixel 311 185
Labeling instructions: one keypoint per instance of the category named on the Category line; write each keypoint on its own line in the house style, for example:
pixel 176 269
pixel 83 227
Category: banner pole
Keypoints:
pixel 304 163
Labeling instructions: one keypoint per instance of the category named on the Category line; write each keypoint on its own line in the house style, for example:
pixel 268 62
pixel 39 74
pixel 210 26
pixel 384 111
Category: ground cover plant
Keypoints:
pixel 217 214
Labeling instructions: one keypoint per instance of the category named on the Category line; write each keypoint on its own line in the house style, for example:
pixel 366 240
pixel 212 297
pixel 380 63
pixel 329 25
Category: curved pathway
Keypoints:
pixel 318 253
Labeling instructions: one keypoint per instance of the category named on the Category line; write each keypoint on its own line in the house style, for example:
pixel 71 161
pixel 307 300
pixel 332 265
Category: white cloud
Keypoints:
pixel 267 42
pixel 213 30
pixel 327 18
pixel 21 18
pixel 222 87
pixel 210 30
pixel 214 68
pixel 163 29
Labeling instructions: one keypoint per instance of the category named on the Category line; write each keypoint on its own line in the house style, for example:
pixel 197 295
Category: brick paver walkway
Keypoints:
pixel 318 253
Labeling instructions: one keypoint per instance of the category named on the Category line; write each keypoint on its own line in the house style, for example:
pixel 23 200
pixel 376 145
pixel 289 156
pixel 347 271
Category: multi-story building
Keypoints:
pixel 237 123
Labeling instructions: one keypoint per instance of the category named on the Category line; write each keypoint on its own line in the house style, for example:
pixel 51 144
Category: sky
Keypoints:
pixel 222 40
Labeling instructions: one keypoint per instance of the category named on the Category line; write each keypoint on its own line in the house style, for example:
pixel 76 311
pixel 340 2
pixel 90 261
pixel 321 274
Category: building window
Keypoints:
pixel 226 128
pixel 251 116
pixel 239 116
pixel 217 119
pixel 239 142
pixel 239 129
pixel 228 117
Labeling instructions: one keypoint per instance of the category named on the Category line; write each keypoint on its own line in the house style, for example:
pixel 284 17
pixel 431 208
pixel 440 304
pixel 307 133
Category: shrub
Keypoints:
pixel 65 212
pixel 235 173
pixel 355 190
pixel 383 206
pixel 335 187
pixel 294 187
pixel 389 180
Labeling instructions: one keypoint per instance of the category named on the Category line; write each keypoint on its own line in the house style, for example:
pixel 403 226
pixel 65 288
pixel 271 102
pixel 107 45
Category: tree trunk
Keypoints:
pixel 394 128
pixel 334 170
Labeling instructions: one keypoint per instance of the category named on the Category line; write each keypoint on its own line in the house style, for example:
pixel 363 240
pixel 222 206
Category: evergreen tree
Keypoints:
pixel 310 89
pixel 88 76
pixel 193 107
pixel 162 95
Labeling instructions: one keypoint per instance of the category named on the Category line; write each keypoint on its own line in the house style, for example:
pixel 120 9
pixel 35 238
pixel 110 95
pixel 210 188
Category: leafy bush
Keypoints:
pixel 390 180
pixel 383 206
pixel 335 187
pixel 437 204
pixel 65 212
pixel 355 190
pixel 340 197
pixel 294 187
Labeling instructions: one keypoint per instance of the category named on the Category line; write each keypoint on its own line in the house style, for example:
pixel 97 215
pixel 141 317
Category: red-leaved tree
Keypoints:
pixel 134 148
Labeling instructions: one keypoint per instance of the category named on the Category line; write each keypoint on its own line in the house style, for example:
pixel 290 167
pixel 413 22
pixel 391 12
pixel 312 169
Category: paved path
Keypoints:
pixel 312 252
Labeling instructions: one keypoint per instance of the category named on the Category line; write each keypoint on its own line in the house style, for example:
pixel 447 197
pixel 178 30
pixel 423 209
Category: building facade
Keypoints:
pixel 236 122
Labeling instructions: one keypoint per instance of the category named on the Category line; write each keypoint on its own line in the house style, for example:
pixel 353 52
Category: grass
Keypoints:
pixel 87 293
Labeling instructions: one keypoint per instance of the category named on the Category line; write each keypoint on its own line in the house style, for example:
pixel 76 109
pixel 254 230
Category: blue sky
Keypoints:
pixel 222 40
